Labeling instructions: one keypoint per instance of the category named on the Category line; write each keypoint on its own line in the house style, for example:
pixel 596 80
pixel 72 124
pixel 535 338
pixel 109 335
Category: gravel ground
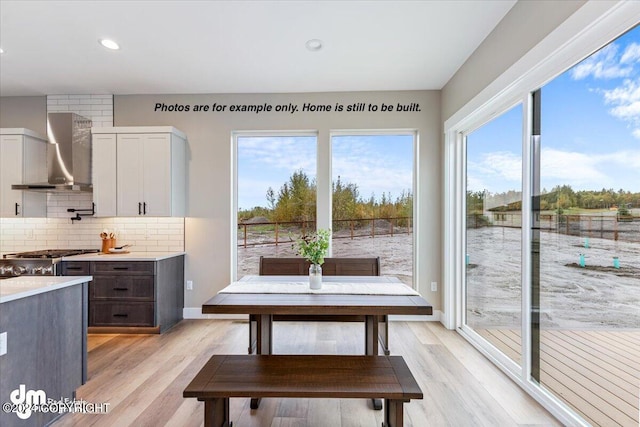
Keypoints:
pixel 571 296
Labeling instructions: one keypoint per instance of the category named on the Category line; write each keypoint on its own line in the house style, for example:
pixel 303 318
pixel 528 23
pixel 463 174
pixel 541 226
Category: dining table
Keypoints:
pixel 371 298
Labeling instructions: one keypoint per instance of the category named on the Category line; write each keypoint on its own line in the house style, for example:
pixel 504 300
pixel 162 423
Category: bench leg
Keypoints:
pixel 216 412
pixel 393 413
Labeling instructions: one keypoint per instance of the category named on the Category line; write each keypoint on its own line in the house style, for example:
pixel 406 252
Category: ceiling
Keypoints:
pixel 51 47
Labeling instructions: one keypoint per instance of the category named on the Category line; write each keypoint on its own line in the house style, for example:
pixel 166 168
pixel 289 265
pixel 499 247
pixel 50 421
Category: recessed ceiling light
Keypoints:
pixel 1 50
pixel 314 45
pixel 109 44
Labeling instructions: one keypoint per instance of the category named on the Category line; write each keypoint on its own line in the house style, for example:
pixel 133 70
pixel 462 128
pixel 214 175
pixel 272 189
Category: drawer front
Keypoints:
pixel 131 288
pixel 76 268
pixel 124 267
pixel 112 313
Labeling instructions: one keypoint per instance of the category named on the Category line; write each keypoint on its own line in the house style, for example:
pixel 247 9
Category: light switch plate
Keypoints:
pixel 434 286
pixel 3 343
pixel 189 285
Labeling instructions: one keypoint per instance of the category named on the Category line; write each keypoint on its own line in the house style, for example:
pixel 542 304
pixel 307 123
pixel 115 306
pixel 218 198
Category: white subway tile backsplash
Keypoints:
pixel 60 233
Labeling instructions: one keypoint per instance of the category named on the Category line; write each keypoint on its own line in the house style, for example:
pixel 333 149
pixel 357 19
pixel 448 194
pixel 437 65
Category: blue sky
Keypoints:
pixel 590 128
pixel 375 163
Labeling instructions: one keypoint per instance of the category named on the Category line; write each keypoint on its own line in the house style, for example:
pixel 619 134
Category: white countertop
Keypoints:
pixel 131 256
pixel 22 287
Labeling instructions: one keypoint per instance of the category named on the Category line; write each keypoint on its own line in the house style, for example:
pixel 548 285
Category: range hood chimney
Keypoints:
pixel 68 155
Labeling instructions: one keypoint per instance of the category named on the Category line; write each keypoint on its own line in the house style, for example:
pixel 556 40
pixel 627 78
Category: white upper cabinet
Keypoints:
pixel 23 159
pixel 148 176
pixel 103 170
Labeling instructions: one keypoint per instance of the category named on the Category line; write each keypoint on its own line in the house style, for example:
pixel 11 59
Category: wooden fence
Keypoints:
pixel 275 233
pixel 612 227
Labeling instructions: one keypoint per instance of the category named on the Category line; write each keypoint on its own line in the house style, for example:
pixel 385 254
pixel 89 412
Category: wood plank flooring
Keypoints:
pixel 142 378
pixel 595 372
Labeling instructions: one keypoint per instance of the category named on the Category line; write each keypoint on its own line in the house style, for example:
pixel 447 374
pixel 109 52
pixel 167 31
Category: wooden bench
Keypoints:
pixel 303 376
pixel 332 267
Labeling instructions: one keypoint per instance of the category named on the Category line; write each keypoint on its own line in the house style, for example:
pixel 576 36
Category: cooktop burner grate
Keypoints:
pixel 50 253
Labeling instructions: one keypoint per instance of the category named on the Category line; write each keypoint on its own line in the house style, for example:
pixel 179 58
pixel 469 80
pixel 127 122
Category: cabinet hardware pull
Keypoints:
pixel 120 268
pixel 120 289
pixel 17 207
pixel 144 208
pixel 120 315
pixel 139 208
pixel 74 268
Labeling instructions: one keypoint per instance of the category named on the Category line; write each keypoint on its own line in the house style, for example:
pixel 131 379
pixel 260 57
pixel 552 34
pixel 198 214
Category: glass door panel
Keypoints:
pixel 588 222
pixel 493 232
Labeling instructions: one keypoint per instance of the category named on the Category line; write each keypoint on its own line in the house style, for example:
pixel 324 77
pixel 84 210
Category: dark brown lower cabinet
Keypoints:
pixel 132 296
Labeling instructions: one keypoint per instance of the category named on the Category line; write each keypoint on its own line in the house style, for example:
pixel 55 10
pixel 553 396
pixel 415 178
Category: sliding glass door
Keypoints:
pixel 554 227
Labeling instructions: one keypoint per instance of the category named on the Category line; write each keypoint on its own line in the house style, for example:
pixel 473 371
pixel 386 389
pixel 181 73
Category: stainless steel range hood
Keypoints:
pixel 68 155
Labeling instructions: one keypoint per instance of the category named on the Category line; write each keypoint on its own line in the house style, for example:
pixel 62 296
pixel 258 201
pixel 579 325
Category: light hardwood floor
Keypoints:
pixel 142 378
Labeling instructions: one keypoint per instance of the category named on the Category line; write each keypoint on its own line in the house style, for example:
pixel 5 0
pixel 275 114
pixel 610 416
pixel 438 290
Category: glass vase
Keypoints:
pixel 315 276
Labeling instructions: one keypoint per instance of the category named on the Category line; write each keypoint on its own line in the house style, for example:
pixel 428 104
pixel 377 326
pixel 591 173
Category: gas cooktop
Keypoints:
pixel 49 253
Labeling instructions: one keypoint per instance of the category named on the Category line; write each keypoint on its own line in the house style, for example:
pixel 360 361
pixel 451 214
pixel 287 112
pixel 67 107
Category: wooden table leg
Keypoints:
pixel 216 412
pixel 371 335
pixel 264 343
pixel 253 332
pixel 383 334
pixel 371 346
pixel 393 413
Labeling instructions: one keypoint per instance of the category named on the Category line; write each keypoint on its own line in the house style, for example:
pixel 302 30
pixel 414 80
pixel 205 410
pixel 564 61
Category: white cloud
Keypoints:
pixel 500 171
pixel 631 54
pixel 626 103
pixel 495 171
pixel 604 64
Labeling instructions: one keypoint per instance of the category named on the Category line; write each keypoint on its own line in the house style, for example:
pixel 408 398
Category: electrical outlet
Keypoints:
pixel 3 343
pixel 434 286
pixel 189 285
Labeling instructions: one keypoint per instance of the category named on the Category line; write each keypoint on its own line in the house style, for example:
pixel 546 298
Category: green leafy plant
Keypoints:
pixel 313 246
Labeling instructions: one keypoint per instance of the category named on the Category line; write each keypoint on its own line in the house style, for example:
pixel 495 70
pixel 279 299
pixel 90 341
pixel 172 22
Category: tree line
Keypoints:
pixel 559 199
pixel 296 201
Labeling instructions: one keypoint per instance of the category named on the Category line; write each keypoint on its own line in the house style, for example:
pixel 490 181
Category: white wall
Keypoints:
pixel 208 222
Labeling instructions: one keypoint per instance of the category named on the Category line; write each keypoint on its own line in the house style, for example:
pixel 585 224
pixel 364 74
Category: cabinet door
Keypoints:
pixel 104 165
pixel 129 174
pixel 11 163
pixel 34 169
pixel 157 175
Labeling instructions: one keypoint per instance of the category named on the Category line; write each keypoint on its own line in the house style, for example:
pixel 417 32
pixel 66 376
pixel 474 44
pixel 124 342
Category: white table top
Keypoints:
pixel 334 285
pixel 26 286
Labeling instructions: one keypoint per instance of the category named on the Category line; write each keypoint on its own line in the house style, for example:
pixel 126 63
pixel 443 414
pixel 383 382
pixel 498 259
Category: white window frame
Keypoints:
pixel 591 27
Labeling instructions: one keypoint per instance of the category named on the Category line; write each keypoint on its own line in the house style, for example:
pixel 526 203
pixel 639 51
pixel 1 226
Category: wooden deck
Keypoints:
pixel 595 372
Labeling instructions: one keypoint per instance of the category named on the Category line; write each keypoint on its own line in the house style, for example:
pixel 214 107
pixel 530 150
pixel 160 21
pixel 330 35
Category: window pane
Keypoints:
pixel 372 204
pixel 589 224
pixel 276 195
pixel 493 256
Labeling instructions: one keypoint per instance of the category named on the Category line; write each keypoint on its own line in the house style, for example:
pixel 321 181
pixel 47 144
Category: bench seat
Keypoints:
pixel 303 376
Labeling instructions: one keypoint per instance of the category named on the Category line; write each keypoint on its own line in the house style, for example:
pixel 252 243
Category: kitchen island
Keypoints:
pixel 43 320
pixel 137 292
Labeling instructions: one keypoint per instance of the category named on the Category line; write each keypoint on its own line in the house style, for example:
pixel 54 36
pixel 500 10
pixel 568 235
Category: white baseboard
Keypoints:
pixel 196 313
